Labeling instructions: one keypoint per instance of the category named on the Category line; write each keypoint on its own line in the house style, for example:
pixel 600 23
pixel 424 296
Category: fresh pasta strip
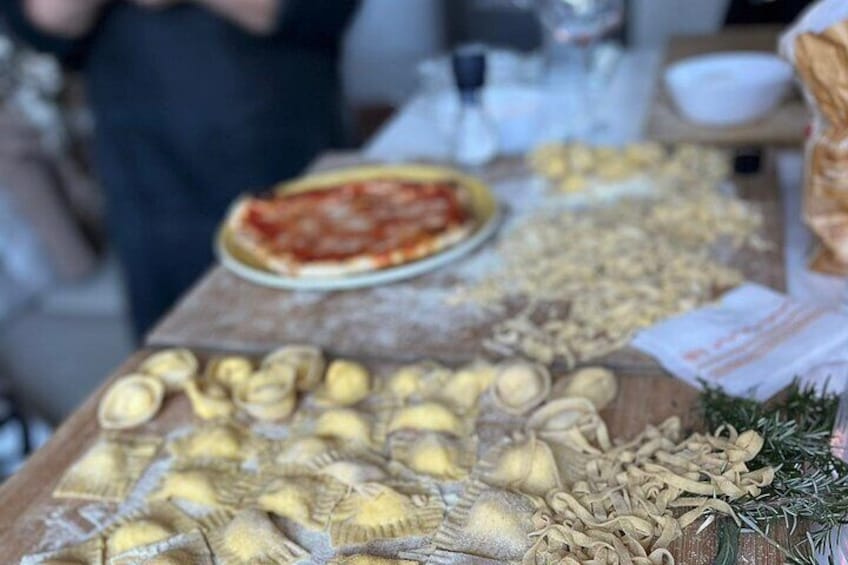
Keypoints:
pixel 90 552
pixel 251 538
pixel 305 499
pixel 215 441
pixel 173 366
pixel 157 522
pixel 519 387
pixel 269 393
pixel 376 511
pixel 209 400
pixel 525 464
pixel 491 523
pixel 633 499
pixel 229 371
pixel 435 455
pixel 210 487
pixel 307 361
pixel 130 401
pixel 345 383
pixel 109 469
pixel 189 548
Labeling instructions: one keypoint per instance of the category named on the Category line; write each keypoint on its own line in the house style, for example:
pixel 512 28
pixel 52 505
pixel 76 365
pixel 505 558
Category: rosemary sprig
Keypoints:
pixel 810 484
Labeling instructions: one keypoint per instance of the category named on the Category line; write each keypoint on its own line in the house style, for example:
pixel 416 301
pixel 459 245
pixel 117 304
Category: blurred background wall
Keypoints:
pixel 62 342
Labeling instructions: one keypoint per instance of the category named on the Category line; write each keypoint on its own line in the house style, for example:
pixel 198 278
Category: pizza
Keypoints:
pixel 351 227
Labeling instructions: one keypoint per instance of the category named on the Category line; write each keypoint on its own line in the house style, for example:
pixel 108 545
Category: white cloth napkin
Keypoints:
pixel 751 343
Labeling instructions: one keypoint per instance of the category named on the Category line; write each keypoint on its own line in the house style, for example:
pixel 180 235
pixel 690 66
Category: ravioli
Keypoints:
pixel 159 521
pixel 490 523
pixel 307 500
pixel 251 538
pixel 344 424
pixel 376 511
pixel 204 486
pixel 215 441
pixel 307 361
pixel 269 394
pixel 427 416
pixel 131 401
pixel 209 400
pixel 173 366
pixel 433 455
pixel 528 466
pixel 518 387
pixel 230 371
pixel 109 469
pixel 295 454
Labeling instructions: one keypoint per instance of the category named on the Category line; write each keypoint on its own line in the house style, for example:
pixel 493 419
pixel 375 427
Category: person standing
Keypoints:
pixel 195 102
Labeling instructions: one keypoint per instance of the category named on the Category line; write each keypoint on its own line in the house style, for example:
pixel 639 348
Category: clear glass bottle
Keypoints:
pixel 475 139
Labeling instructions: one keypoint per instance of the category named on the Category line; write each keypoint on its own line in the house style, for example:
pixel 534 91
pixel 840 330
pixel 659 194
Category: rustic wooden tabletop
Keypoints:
pixel 224 313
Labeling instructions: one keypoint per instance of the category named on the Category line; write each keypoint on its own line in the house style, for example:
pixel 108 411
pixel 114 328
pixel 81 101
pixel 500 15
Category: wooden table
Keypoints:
pixel 25 499
pixel 204 319
pixel 785 126
pixel 409 319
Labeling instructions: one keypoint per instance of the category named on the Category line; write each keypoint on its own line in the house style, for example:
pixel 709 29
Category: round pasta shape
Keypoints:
pixel 519 387
pixel 209 400
pixel 308 363
pixel 269 393
pixel 174 366
pixel 230 371
pixel 346 383
pixel 131 401
pixel 596 384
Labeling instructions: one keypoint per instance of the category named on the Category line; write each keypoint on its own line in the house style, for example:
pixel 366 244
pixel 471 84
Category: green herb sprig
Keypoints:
pixel 810 484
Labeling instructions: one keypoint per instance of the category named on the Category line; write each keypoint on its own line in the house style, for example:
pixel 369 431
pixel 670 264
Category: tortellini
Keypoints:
pixel 307 361
pixel 528 466
pixel 131 401
pixel 209 400
pixel 519 386
pixel 173 366
pixel 230 371
pixel 269 394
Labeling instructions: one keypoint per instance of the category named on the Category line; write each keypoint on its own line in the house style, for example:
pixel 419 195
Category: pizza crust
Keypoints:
pixel 284 264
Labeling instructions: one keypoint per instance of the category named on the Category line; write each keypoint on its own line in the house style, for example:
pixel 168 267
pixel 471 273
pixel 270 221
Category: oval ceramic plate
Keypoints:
pixel 483 204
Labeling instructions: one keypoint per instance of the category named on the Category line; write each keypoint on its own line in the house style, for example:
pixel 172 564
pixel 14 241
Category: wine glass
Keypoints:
pixel 571 30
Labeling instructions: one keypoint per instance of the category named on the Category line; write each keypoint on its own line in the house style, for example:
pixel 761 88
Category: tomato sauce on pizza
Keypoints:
pixel 353 226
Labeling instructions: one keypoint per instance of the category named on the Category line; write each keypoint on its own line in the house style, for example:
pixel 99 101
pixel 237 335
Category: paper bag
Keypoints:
pixel 817 45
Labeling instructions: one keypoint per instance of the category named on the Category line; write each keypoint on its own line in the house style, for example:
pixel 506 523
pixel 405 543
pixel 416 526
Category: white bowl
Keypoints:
pixel 725 89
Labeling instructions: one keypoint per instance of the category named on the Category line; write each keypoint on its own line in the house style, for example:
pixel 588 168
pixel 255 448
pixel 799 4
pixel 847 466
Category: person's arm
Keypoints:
pixel 69 19
pixel 256 16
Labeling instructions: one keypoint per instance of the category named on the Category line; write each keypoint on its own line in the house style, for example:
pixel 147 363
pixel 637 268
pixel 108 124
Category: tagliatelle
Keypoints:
pixel 623 503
